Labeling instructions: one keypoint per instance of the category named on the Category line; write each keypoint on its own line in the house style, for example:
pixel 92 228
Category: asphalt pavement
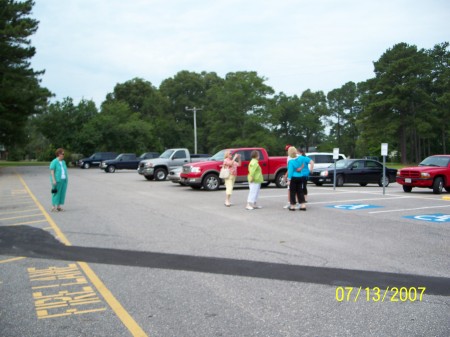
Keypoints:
pixel 131 257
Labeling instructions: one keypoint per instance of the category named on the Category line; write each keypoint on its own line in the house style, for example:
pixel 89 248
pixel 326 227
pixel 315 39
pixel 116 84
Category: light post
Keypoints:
pixel 195 125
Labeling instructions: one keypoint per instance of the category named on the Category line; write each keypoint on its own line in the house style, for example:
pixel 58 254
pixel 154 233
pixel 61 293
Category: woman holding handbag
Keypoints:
pixel 59 179
pixel 231 163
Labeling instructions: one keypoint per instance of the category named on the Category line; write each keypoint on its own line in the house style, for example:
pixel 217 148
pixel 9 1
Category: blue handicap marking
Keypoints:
pixel 353 207
pixel 438 217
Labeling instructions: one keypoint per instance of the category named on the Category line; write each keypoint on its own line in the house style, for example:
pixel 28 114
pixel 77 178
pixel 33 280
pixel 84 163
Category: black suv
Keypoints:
pixel 96 159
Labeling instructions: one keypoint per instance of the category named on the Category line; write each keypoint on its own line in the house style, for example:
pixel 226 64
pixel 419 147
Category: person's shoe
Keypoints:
pixel 249 208
pixel 291 208
pixel 297 206
pixel 287 206
pixel 257 207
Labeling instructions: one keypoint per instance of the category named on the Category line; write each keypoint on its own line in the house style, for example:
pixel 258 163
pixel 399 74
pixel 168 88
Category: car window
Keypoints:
pixel 372 164
pixel 180 154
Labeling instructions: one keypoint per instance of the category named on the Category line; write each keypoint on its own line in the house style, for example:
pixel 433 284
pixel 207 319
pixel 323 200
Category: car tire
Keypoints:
pixel 279 180
pixel 110 169
pixel 196 187
pixel 438 185
pixel 160 174
pixel 149 177
pixel 362 184
pixel 340 180
pixel 211 182
pixel 386 181
pixel 318 184
pixel 407 189
pixel 447 189
pixel 86 165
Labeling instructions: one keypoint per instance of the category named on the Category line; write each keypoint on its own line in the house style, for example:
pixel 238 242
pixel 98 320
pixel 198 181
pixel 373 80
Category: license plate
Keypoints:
pixel 408 180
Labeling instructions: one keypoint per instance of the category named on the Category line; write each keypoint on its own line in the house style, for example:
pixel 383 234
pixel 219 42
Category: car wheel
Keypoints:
pixel 211 182
pixel 86 165
pixel 386 181
pixel 111 169
pixel 340 180
pixel 407 188
pixel 279 180
pixel 438 185
pixel 447 189
pixel 149 177
pixel 265 184
pixel 160 174
pixel 363 184
pixel 196 187
pixel 318 184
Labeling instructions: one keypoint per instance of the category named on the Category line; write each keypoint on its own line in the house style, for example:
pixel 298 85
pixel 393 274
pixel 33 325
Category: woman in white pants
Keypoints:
pixel 255 178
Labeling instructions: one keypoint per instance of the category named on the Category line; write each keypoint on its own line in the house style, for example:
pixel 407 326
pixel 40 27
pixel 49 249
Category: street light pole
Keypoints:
pixel 195 125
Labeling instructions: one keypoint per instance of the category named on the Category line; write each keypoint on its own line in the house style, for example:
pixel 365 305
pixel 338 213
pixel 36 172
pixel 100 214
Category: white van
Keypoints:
pixel 323 159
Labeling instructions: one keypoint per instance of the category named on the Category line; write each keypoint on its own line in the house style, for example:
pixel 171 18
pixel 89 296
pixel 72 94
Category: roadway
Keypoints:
pixel 131 257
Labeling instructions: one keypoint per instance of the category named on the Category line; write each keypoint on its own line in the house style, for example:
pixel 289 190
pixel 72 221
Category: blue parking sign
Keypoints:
pixel 438 217
pixel 353 207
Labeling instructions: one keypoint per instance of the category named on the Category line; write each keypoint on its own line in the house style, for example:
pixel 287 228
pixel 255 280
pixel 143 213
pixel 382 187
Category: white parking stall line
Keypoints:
pixel 408 209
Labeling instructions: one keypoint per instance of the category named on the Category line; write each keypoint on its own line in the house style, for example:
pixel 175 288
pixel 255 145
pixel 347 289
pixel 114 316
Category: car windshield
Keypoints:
pixel 435 161
pixel 119 156
pixel 219 156
pixel 166 154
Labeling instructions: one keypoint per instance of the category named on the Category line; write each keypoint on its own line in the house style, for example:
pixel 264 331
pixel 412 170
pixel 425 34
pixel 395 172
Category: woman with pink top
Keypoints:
pixel 232 163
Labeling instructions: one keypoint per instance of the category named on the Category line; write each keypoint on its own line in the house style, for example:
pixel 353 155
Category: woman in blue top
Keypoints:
pixel 295 178
pixel 59 179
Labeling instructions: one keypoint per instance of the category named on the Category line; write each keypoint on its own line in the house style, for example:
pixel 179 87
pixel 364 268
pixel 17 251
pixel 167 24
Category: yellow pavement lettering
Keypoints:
pixel 86 296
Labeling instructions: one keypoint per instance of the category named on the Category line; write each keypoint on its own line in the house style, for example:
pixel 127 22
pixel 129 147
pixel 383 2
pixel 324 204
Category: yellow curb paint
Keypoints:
pixel 115 305
pixel 446 198
pixel 13 259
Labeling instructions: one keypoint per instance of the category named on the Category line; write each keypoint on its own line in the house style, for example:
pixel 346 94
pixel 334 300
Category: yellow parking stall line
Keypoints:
pixel 13 259
pixel 21 217
pixel 21 211
pixel 27 222
pixel 115 305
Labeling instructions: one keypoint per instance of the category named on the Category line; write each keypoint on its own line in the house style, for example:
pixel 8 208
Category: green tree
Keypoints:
pixel 343 109
pixel 236 114
pixel 396 101
pixel 20 92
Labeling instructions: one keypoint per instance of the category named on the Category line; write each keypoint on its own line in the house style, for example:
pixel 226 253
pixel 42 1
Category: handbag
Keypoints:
pixel 54 190
pixel 224 173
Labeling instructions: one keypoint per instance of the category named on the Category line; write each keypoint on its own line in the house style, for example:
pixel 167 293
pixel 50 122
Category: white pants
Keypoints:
pixel 253 192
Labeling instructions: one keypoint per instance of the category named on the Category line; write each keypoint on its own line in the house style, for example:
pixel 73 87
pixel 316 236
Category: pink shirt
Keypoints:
pixel 232 165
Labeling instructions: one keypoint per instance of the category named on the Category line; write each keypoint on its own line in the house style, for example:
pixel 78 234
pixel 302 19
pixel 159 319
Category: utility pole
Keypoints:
pixel 195 124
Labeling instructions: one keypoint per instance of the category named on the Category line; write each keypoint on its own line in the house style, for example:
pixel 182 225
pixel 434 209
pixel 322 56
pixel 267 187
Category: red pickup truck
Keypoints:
pixel 206 174
pixel 433 172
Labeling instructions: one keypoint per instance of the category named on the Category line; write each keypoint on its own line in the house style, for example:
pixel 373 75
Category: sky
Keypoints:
pixel 86 47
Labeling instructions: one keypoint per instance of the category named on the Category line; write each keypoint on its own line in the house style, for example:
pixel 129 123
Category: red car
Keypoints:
pixel 433 172
pixel 206 174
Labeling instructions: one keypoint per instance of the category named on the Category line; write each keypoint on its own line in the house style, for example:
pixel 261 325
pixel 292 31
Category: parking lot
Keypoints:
pixel 131 257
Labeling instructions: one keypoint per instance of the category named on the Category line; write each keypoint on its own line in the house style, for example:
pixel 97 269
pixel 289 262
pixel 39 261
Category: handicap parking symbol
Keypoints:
pixel 438 217
pixel 354 207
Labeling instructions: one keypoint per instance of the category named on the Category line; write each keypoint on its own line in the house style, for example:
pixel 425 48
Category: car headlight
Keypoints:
pixel 324 174
pixel 148 164
pixel 424 175
pixel 195 169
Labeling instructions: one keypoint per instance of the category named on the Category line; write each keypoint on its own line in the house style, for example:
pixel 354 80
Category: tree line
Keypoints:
pixel 405 104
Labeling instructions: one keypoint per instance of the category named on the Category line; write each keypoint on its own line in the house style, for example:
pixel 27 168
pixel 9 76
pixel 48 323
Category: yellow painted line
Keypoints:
pixel 21 211
pixel 446 198
pixel 115 305
pixel 13 259
pixel 27 223
pixel 21 217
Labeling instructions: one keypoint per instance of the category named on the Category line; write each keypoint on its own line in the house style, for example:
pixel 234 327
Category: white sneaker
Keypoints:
pixel 257 207
pixel 297 206
pixel 249 207
pixel 287 206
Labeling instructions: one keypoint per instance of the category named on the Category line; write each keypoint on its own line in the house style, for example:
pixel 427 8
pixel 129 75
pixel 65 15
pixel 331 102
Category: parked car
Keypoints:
pixel 125 161
pixel 158 168
pixel 206 174
pixel 174 175
pixel 323 159
pixel 360 171
pixel 95 159
pixel 433 172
